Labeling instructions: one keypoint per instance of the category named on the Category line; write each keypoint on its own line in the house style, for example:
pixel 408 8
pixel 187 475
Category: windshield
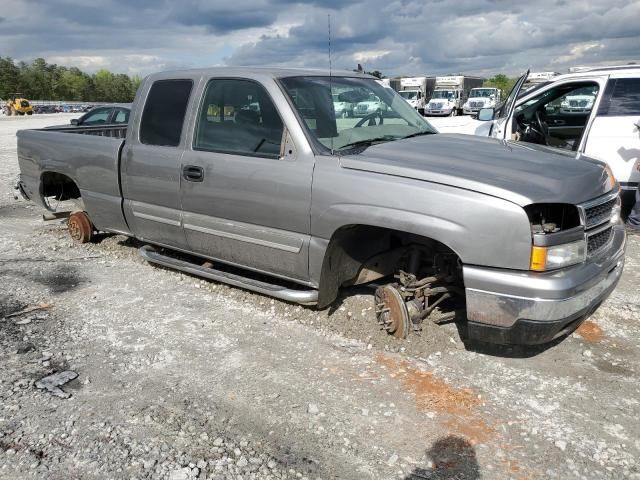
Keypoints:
pixel 409 95
pixel 387 118
pixel 482 92
pixel 442 94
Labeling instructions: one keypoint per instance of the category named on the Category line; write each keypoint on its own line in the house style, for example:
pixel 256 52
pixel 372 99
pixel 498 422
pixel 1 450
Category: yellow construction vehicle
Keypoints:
pixel 17 105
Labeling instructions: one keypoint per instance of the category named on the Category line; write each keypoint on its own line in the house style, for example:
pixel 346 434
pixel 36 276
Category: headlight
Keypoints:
pixel 557 256
pixel 615 212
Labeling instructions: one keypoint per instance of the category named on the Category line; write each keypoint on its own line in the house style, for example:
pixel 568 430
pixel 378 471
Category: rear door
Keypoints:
pixel 151 164
pixel 246 193
pixel 614 136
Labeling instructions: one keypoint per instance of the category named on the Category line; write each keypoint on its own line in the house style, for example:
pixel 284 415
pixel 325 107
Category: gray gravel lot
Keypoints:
pixel 182 378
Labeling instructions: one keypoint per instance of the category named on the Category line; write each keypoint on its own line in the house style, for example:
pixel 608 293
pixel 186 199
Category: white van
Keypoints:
pixel 595 112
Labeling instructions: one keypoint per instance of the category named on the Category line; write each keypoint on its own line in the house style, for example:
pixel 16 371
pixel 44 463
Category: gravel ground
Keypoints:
pixel 181 378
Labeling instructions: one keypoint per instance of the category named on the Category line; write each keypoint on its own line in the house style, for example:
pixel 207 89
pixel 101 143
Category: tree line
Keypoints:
pixel 40 80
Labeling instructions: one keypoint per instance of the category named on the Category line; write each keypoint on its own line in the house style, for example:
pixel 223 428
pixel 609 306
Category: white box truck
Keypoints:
pixel 450 94
pixel 416 90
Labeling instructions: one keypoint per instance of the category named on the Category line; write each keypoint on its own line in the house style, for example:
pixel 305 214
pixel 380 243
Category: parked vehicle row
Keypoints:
pixel 250 167
pixel 61 108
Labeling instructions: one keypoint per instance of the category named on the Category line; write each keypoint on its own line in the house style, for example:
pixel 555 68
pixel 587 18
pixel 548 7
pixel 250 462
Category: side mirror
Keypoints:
pixel 74 121
pixel 486 114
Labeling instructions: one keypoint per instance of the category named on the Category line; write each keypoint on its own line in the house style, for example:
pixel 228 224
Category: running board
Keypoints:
pixel 303 297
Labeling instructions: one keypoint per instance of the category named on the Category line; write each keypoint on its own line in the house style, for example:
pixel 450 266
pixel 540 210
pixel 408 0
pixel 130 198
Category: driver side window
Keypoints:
pixel 238 117
pixel 558 116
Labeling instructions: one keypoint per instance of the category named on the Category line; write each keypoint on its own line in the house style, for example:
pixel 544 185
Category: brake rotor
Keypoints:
pixel 391 311
pixel 80 227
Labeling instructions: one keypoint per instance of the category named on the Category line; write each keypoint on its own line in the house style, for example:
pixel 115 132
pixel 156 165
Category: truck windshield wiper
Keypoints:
pixel 369 141
pixel 417 134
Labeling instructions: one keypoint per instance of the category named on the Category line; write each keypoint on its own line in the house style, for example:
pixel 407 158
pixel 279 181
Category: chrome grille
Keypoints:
pixel 598 240
pixel 597 214
pixel 476 104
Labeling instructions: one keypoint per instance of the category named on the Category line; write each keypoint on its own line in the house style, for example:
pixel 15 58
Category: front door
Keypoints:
pixel 246 193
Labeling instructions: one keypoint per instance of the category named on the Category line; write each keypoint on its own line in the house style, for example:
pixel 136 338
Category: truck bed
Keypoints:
pixel 90 157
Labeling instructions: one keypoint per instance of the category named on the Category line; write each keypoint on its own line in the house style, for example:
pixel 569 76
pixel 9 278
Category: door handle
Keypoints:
pixel 192 173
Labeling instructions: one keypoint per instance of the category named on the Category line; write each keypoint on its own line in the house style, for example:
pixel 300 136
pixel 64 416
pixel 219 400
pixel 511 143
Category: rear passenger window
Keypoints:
pixel 238 116
pixel 622 97
pixel 122 116
pixel 164 112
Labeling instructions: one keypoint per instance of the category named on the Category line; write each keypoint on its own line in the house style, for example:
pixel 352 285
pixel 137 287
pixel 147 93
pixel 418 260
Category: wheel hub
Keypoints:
pixel 391 311
pixel 80 227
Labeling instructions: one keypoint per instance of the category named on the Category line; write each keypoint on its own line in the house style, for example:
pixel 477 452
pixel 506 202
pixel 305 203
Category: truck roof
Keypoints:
pixel 270 71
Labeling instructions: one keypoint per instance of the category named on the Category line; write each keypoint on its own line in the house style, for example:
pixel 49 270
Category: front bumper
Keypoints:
pixel 438 113
pixel 510 307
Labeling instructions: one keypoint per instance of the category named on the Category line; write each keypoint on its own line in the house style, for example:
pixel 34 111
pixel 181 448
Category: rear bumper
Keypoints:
pixel 531 308
pixel 21 187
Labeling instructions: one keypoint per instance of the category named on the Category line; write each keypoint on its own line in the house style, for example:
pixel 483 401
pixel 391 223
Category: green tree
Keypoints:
pixel 9 77
pixel 40 80
pixel 502 82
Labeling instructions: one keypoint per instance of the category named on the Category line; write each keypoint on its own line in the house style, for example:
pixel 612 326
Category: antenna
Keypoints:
pixel 330 69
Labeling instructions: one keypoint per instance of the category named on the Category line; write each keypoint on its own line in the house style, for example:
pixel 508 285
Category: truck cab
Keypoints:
pixel 444 102
pixel 484 97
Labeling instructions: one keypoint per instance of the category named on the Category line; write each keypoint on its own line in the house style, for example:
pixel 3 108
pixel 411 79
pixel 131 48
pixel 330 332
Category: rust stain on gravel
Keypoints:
pixel 474 429
pixel 430 392
pixel 590 332
pixel 458 406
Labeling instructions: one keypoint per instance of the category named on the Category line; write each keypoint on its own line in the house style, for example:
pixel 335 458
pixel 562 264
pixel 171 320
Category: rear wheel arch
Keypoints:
pixel 58 186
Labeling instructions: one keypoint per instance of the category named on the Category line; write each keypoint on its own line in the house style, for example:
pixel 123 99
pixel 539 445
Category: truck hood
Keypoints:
pixel 517 172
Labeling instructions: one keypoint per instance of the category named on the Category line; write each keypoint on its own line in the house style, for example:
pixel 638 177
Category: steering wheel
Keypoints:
pixel 544 128
pixel 371 118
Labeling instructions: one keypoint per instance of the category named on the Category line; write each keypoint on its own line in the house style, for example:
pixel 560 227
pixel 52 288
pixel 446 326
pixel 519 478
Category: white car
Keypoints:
pixel 578 103
pixel 341 107
pixel 369 106
pixel 603 123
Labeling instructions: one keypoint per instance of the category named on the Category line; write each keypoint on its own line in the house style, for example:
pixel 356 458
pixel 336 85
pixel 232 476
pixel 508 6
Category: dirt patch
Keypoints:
pixel 476 430
pixel 590 332
pixel 431 393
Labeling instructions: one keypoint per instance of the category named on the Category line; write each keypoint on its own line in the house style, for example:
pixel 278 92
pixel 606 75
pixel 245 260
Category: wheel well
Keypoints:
pixel 58 186
pixel 360 254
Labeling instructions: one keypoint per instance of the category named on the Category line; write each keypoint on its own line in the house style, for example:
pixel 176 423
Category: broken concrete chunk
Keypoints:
pixel 53 382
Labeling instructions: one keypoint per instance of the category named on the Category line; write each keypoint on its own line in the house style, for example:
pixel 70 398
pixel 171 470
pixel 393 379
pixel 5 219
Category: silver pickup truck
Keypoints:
pixel 249 174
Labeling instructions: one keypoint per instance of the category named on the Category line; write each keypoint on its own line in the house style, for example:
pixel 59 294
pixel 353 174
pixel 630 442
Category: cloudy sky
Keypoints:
pixel 396 37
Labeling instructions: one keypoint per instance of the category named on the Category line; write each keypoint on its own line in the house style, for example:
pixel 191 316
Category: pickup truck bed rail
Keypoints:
pixel 113 131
